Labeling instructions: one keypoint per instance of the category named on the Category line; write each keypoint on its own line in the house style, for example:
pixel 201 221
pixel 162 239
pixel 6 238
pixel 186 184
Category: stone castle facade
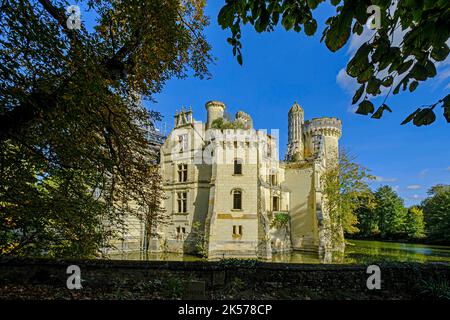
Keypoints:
pixel 229 195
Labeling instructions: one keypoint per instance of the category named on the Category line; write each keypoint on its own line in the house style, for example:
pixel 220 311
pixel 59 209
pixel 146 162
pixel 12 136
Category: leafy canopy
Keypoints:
pixel 74 156
pixel 345 190
pixel 390 212
pixel 436 210
pixel 424 26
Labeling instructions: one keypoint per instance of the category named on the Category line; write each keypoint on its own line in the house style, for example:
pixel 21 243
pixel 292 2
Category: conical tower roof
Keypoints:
pixel 295 108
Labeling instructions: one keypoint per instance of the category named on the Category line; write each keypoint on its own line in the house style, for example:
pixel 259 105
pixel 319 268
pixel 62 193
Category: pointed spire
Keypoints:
pixel 295 108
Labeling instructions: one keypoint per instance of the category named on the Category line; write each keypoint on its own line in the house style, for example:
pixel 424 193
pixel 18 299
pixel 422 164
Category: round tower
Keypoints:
pixel 215 110
pixel 295 134
pixel 322 137
pixel 245 119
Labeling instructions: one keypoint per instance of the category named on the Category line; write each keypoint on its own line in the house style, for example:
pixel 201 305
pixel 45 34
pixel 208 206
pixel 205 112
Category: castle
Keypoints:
pixel 229 195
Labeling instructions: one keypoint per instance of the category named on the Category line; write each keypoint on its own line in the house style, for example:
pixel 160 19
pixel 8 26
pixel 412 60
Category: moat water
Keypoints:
pixel 357 251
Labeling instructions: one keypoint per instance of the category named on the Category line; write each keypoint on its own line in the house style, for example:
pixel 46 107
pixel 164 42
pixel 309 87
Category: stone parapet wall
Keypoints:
pixel 323 126
pixel 222 280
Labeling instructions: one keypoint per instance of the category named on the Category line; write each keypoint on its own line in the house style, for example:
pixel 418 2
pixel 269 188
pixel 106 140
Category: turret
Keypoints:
pixel 215 110
pixel 245 119
pixel 322 137
pixel 295 134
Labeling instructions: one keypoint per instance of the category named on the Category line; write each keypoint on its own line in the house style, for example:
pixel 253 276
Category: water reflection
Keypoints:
pixel 357 251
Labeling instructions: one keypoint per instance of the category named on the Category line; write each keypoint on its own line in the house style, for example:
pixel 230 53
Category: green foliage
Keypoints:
pixel 222 124
pixel 435 288
pixel 345 191
pixel 414 223
pixel 174 287
pixel 234 263
pixel 280 220
pixel 199 240
pixel 436 210
pixel 427 25
pixel 390 212
pixel 74 158
pixel 368 221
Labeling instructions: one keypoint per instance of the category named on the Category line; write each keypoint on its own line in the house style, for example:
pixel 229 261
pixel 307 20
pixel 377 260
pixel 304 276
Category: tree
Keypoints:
pixel 151 210
pixel 436 210
pixel 367 219
pixel 345 191
pixel 390 211
pixel 414 223
pixel 73 147
pixel 423 26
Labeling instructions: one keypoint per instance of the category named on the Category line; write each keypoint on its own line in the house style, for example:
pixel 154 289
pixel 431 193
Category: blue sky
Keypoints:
pixel 282 67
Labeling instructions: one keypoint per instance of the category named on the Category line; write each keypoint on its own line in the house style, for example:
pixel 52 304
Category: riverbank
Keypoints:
pixel 422 241
pixel 227 279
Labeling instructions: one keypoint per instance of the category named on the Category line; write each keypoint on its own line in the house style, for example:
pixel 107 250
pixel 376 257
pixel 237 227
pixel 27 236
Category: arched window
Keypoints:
pixel 237 166
pixel 237 199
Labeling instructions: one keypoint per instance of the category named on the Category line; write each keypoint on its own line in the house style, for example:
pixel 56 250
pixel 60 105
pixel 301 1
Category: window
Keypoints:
pixel 182 201
pixel 181 231
pixel 269 149
pixel 273 179
pixel 237 166
pixel 237 200
pixel 237 231
pixel 183 141
pixel 275 203
pixel 235 144
pixel 182 172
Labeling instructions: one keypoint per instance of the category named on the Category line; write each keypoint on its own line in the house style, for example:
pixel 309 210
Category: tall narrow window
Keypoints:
pixel 275 203
pixel 182 172
pixel 182 201
pixel 237 200
pixel 269 148
pixel 183 141
pixel 237 166
pixel 273 179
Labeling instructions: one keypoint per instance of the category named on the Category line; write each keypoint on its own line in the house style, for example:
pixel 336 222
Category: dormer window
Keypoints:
pixel 183 142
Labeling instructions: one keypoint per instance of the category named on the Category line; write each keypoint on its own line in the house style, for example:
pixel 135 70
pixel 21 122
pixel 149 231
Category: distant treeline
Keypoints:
pixel 386 217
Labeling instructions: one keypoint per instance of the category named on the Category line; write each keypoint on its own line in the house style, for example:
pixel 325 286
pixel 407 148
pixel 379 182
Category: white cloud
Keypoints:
pixel 423 173
pixel 443 70
pixel 448 168
pixel 384 179
pixel 357 40
pixel 414 187
pixel 349 84
pixel 346 82
pixel 396 188
pixel 416 197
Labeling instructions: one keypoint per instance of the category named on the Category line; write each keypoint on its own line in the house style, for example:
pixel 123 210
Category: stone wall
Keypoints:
pixel 226 279
pixel 303 221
